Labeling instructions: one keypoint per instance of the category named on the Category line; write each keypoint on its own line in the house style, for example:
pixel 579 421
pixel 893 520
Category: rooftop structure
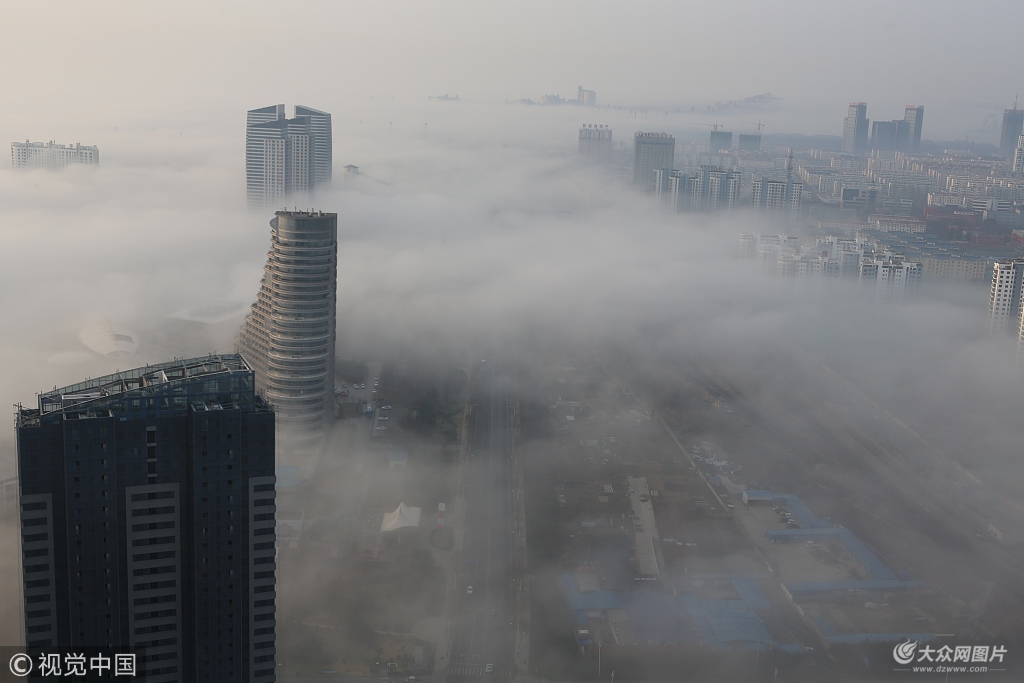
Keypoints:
pixel 162 390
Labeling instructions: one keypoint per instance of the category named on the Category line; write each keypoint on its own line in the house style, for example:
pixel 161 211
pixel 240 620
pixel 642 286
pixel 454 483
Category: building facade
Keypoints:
pixel 285 155
pixel 51 156
pixel 289 337
pixel 855 129
pixel 595 144
pixel 651 152
pixel 147 518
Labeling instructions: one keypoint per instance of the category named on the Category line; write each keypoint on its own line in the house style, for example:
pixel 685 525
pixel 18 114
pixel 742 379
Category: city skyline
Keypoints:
pixel 509 396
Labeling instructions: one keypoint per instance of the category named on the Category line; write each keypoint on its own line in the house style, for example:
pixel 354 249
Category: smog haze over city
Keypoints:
pixel 671 341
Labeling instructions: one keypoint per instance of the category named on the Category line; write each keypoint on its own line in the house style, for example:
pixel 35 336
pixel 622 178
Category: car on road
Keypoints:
pixel 382 428
pixel 492 611
pixel 385 407
pixel 469 590
pixel 489 669
pixel 383 417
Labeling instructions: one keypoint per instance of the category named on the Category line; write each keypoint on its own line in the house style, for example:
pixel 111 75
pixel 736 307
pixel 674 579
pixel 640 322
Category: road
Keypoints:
pixel 485 625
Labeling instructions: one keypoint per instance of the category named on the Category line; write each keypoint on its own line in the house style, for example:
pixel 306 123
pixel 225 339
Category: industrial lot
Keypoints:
pixel 677 538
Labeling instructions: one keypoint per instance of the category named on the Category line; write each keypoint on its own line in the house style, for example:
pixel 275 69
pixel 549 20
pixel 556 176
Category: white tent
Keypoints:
pixel 403 516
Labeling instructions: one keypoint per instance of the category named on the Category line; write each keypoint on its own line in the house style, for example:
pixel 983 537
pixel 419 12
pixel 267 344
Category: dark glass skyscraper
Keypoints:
pixel 651 152
pixel 855 129
pixel 914 116
pixel 1013 126
pixel 147 514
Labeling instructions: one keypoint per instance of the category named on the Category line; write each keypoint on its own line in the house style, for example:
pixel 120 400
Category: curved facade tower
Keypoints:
pixel 289 336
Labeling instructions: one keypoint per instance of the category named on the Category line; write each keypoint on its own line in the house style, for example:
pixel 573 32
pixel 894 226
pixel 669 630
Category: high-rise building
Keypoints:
pixel 323 149
pixel 51 156
pixel 776 198
pixel 890 136
pixel 914 116
pixel 711 188
pixel 595 145
pixel 587 98
pixel 1013 126
pixel 289 336
pixel 1004 304
pixel 148 519
pixel 285 155
pixel 1018 156
pixel 720 139
pixel 651 151
pixel 749 143
pixel 855 129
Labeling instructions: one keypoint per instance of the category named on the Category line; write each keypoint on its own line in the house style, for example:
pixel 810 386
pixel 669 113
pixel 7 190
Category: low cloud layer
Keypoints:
pixel 477 226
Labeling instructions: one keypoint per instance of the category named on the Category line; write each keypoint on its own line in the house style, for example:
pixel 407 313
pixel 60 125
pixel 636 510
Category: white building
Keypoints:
pixel 51 156
pixel 710 188
pixel 1004 297
pixel 890 276
pixel 285 155
pixel 776 198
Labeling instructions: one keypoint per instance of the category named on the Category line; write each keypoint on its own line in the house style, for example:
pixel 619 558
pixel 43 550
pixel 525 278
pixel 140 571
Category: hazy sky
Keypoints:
pixel 103 60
